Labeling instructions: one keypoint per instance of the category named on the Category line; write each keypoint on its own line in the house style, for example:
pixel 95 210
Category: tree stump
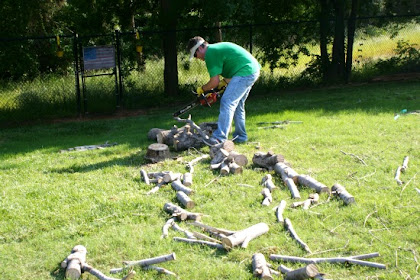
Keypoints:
pixel 74 262
pixel 157 152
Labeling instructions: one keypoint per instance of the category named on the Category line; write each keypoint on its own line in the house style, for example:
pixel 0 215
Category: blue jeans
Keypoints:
pixel 232 107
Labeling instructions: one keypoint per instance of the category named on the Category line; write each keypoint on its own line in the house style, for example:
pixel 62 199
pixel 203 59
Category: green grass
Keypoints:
pixel 51 201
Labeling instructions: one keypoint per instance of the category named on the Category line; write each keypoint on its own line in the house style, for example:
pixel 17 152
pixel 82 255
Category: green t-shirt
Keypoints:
pixel 228 59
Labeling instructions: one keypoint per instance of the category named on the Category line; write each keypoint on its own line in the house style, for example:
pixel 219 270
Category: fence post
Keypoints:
pixel 120 88
pixel 76 72
pixel 250 38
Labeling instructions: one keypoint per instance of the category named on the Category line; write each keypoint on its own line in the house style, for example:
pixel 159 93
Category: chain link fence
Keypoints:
pixel 53 83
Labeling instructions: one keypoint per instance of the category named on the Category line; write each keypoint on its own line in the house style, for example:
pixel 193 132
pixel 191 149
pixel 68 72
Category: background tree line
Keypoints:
pixel 334 27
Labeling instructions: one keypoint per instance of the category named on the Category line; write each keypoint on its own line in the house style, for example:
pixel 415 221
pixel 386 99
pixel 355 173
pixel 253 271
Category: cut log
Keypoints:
pixel 74 262
pixel 166 227
pixel 178 186
pixel 224 168
pixel 145 262
pixel 187 179
pixel 308 272
pixel 313 199
pixel 310 182
pixel 157 152
pixel 352 259
pixel 267 160
pixel 144 176
pixel 219 156
pixel 342 193
pixel 181 213
pixel 228 146
pixel 404 166
pixel 260 267
pixel 267 197
pixel 235 168
pixel 240 159
pixel 267 181
pixel 185 200
pixel 244 236
pixel 292 187
pixel 152 134
pixel 280 210
pixel 289 227
pixel 171 176
pixel 285 172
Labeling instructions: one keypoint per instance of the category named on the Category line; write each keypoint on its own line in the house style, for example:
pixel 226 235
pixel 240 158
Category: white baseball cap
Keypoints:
pixel 195 47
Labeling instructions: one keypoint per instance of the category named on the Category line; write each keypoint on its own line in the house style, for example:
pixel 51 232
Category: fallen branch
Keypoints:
pixel 279 211
pixel 285 171
pixel 352 259
pixel 145 262
pixel 267 197
pixel 200 242
pixel 267 160
pixel 361 160
pixel 289 227
pixel 178 186
pixel 404 166
pixel 292 187
pixel 190 165
pixel 342 193
pixel 310 182
pixel 166 226
pixel 267 181
pixel 181 213
pixel 98 274
pixel 159 270
pixel 185 200
pixel 397 176
pixel 74 262
pixel 313 199
pixel 213 229
pixel 243 237
pixel 308 272
pixel 187 233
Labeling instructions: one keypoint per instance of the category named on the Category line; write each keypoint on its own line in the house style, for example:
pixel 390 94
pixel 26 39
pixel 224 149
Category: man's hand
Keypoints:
pixel 222 86
pixel 199 91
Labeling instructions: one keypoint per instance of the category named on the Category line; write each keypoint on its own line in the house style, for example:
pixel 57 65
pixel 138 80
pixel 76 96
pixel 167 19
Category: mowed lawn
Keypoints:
pixel 52 201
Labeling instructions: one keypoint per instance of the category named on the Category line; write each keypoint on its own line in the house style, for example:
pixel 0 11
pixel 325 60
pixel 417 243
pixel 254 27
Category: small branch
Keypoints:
pixel 145 262
pixel 403 188
pixel 200 242
pixel 288 225
pixel 358 158
pixel 159 269
pixel 98 274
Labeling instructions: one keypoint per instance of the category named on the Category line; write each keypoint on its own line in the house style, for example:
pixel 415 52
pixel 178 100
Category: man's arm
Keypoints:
pixel 213 83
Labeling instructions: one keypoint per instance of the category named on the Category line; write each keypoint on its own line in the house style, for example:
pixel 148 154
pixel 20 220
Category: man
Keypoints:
pixel 239 70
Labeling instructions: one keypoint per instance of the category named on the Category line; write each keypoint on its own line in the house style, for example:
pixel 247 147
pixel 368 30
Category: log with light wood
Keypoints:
pixel 289 227
pixel 171 176
pixel 178 186
pixel 267 160
pixel 294 192
pixel 185 200
pixel 240 159
pixel 397 176
pixel 308 272
pixel 267 181
pixel 74 262
pixel 144 176
pixel 187 179
pixel 190 165
pixel 157 152
pixel 267 197
pixel 342 193
pixel 312 199
pixel 308 181
pixel 285 172
pixel 260 267
pixel 351 259
pixel 181 213
pixel 243 237
pixel 279 211
pixel 226 147
pixel 404 166
pixel 167 136
pixel 145 262
pixel 166 227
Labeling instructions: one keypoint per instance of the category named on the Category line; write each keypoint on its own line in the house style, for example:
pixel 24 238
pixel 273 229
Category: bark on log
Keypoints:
pixel 74 262
pixel 178 186
pixel 267 160
pixel 171 176
pixel 243 237
pixel 224 168
pixel 260 267
pixel 404 166
pixel 144 176
pixel 101 276
pixel 285 172
pixel 235 168
pixel 201 242
pixel 308 272
pixel 240 159
pixel 213 229
pixel 280 210
pixel 310 182
pixel 352 259
pixel 152 134
pixel 267 197
pixel 228 146
pixel 292 187
pixel 341 192
pixel 187 179
pixel 288 226
pixel 185 200
pixel 219 156
pixel 145 262
pixel 157 152
pixel 167 136
pixel 176 211
pixel 267 181
pixel 397 176
pixel 201 236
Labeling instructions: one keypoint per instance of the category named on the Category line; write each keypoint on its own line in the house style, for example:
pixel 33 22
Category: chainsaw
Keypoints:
pixel 208 98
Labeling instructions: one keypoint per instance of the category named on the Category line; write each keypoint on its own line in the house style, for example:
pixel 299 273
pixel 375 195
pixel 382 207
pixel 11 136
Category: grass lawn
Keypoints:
pixel 51 201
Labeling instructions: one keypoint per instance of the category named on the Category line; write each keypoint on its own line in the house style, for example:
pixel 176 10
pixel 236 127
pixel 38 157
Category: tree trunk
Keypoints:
pixel 169 23
pixel 323 40
pixel 219 32
pixel 351 29
pixel 338 54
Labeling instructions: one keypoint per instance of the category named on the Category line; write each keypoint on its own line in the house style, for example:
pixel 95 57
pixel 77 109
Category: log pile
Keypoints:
pixel 224 158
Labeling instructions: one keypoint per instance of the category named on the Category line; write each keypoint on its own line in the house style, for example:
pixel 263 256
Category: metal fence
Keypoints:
pixel 54 83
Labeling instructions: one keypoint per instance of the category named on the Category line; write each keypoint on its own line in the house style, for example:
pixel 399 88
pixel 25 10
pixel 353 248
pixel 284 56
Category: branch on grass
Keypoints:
pixel 145 262
pixel 357 157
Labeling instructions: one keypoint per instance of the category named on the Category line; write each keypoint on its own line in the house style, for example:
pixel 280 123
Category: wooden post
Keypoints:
pixel 244 236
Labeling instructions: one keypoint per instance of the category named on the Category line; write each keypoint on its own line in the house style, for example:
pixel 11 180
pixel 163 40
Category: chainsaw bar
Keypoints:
pixel 186 108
